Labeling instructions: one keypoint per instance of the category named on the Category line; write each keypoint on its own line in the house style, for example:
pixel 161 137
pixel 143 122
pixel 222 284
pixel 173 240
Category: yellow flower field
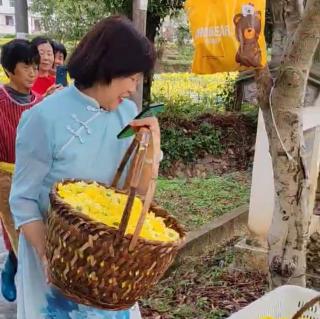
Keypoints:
pixel 5 40
pixel 177 89
pixel 180 91
pixel 3 77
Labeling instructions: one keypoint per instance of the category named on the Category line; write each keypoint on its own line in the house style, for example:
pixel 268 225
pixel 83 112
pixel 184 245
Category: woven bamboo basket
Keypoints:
pixel 5 213
pixel 97 265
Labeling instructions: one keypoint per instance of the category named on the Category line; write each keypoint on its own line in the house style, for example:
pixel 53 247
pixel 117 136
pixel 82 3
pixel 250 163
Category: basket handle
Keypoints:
pixel 124 161
pixel 140 146
pixel 306 307
pixel 149 194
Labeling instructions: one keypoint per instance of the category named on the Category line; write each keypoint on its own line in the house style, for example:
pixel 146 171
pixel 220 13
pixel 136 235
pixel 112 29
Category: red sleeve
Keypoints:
pixel 38 86
pixel 42 84
pixel 52 79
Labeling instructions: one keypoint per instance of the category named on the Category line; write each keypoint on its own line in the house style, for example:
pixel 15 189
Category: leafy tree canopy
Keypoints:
pixel 69 20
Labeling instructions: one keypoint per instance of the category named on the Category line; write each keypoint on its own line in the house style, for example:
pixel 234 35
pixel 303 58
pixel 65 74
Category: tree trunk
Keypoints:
pixel 293 12
pixel 237 105
pixel 279 35
pixel 286 15
pixel 315 70
pixel 289 231
pixel 21 16
pixel 153 23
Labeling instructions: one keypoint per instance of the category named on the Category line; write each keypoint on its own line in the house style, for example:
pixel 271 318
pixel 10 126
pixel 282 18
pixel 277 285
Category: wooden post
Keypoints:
pixel 139 17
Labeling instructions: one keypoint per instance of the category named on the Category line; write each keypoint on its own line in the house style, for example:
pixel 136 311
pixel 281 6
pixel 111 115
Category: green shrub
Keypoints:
pixel 179 144
pixel 227 95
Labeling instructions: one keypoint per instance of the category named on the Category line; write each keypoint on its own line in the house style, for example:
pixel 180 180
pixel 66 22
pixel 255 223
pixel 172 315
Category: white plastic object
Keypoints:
pixel 283 302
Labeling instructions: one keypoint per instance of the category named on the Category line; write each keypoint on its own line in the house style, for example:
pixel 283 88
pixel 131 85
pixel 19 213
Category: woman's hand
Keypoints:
pixel 53 88
pixel 150 171
pixel 34 232
pixel 153 125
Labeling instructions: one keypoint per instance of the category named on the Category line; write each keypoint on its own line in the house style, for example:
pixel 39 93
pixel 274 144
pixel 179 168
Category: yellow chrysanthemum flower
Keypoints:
pixel 177 86
pixel 106 206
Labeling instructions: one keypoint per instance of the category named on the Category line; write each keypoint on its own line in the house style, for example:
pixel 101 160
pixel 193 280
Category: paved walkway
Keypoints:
pixel 7 309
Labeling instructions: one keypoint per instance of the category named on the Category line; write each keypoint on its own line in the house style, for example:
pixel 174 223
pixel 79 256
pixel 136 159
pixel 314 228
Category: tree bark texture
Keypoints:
pixel 279 35
pixel 289 231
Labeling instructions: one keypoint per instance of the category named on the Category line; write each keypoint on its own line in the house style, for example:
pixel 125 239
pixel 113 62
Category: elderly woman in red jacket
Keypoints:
pixel 20 62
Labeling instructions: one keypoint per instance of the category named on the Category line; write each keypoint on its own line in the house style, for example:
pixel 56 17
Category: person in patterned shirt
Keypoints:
pixel 20 60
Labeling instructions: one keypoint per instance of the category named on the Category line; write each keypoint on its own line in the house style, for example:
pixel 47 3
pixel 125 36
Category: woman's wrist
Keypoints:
pixel 34 233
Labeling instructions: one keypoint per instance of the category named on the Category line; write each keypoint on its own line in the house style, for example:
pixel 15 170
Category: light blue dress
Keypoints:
pixel 66 136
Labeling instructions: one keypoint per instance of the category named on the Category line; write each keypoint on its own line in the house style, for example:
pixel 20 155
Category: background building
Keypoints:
pixel 7 18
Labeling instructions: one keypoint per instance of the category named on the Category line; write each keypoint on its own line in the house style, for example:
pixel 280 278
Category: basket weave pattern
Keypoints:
pixel 91 266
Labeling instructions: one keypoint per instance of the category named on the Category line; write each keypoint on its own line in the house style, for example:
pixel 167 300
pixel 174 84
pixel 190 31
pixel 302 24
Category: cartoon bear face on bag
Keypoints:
pixel 248 29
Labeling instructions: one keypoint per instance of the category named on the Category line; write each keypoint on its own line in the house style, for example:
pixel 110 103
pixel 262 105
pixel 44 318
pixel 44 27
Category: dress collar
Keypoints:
pixel 92 102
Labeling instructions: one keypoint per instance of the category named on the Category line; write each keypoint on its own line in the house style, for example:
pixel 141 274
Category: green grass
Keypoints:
pixel 196 201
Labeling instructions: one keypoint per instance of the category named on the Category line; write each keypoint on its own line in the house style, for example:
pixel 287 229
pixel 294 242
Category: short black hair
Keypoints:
pixel 59 47
pixel 113 48
pixel 40 40
pixel 18 50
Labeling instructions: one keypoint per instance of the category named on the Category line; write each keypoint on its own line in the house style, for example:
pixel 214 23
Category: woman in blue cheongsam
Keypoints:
pixel 73 134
